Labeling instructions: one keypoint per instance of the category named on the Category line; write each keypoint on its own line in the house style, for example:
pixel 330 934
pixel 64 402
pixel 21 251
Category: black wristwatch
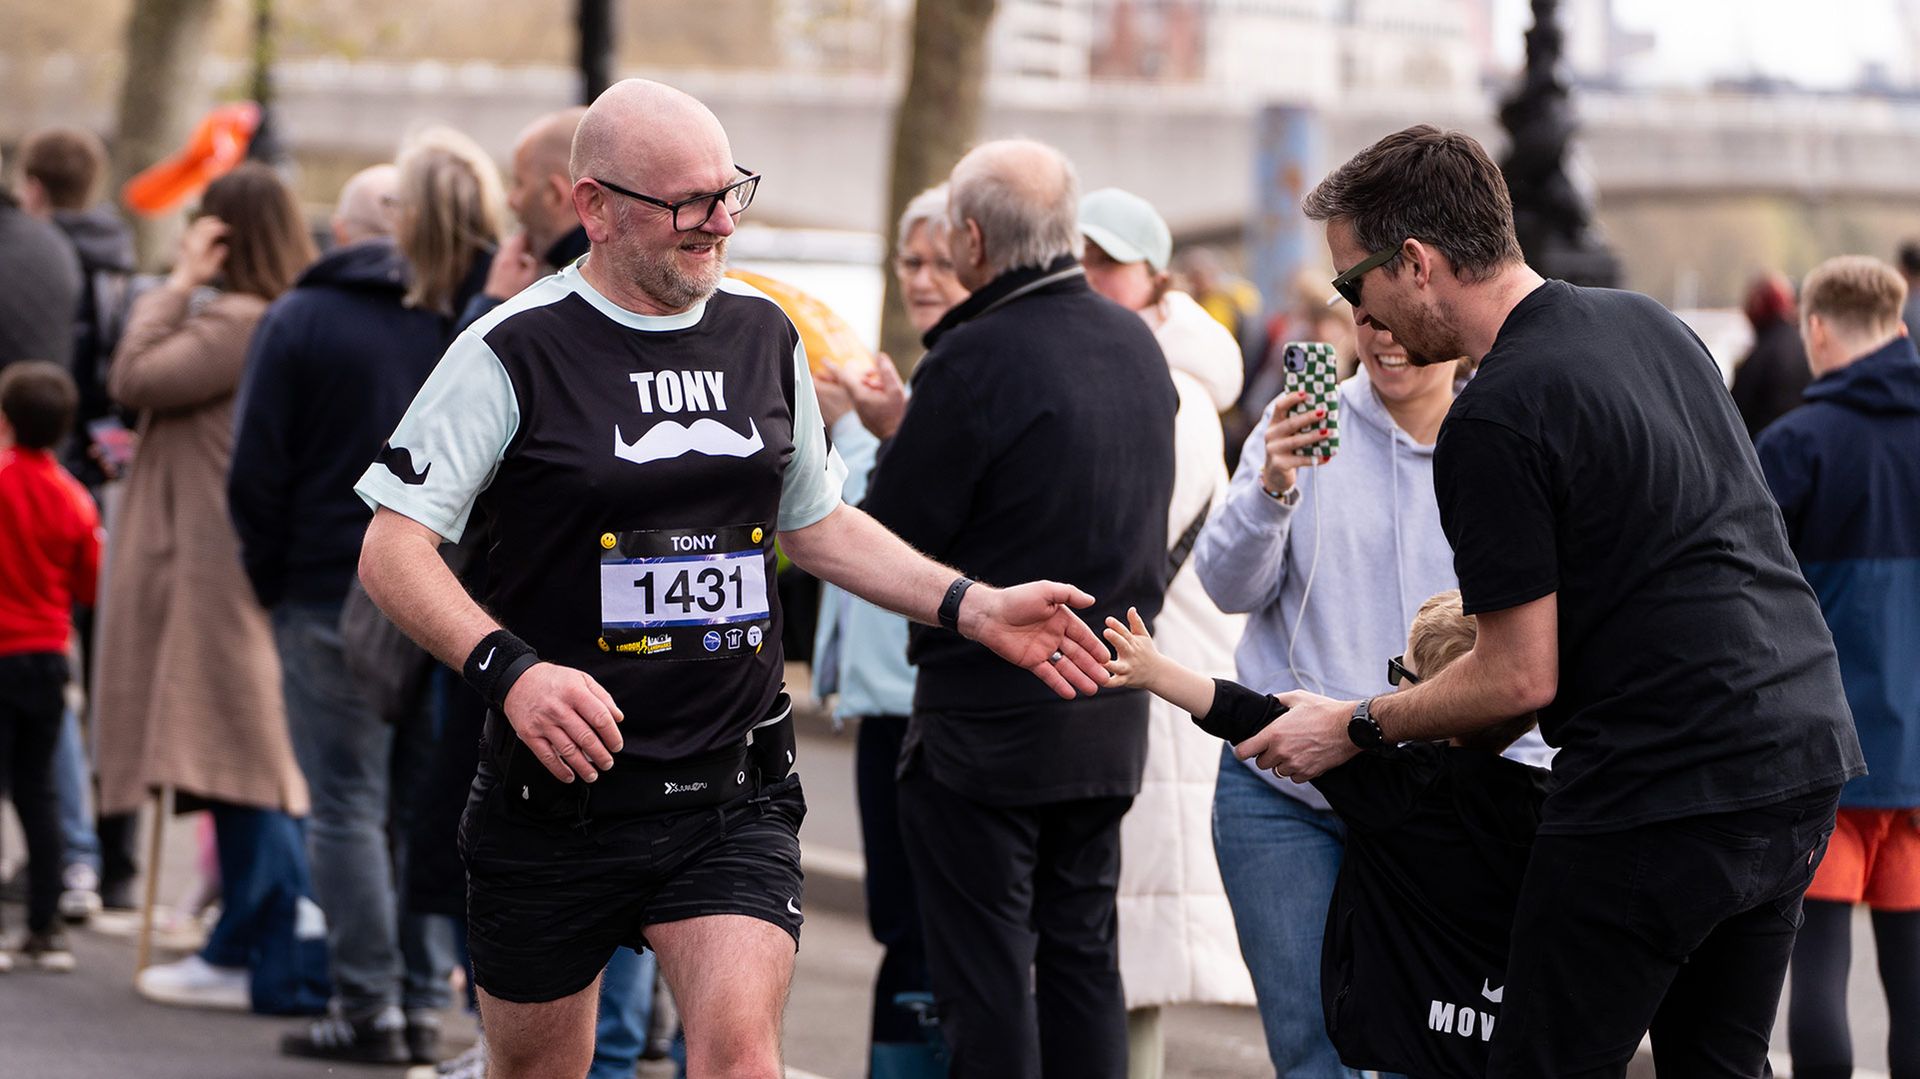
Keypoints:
pixel 1362 728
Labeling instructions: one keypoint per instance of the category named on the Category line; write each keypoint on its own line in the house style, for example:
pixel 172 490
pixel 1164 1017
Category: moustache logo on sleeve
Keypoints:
pixel 399 461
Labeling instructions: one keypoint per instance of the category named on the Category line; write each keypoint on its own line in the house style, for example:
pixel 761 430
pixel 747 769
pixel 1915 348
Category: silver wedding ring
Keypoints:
pixel 1056 657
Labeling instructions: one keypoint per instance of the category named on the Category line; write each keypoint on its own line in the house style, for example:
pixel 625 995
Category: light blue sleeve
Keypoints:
pixel 1241 554
pixel 858 449
pixel 449 444
pixel 811 488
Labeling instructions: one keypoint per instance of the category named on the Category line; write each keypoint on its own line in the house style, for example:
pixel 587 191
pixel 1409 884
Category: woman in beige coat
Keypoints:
pixel 188 686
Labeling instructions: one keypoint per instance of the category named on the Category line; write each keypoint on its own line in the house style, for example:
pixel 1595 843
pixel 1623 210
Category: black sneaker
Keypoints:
pixel 378 1039
pixel 47 952
pixel 117 893
pixel 423 1037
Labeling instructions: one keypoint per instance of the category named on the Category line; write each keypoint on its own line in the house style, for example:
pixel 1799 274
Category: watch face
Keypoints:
pixel 1363 731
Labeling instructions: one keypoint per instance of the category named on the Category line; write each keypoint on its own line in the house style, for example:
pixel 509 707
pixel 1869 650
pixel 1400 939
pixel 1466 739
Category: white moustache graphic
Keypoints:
pixel 668 439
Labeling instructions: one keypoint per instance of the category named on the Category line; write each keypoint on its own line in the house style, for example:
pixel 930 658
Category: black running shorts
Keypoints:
pixel 551 892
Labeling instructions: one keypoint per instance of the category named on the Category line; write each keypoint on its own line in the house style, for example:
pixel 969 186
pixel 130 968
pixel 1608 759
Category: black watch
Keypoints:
pixel 1362 728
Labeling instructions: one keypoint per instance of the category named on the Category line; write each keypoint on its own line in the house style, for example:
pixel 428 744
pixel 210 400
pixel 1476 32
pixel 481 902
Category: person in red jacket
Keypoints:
pixel 50 557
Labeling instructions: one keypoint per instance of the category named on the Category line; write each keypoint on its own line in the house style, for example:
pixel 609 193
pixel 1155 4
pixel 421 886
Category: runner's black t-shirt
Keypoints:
pixel 1597 454
pixel 634 471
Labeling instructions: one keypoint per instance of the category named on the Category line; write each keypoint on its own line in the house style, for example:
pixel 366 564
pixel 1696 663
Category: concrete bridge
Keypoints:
pixel 823 141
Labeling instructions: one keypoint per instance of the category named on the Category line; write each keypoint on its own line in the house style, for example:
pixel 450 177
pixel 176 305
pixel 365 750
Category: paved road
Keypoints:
pixel 90 1024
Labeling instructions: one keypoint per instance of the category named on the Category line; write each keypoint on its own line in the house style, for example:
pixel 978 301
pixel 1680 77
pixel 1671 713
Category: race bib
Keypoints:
pixel 679 594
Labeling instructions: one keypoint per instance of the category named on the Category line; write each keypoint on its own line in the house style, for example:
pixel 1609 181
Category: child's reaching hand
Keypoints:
pixel 1135 660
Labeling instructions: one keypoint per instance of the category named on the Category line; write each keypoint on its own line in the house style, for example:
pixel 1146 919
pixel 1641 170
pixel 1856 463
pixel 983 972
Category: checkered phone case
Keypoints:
pixel 1311 366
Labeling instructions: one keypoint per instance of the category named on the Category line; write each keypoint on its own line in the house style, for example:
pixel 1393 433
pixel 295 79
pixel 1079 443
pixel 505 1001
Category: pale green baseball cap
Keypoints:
pixel 1126 227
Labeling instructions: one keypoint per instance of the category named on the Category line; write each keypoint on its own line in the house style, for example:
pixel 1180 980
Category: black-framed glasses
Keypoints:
pixel 1397 672
pixel 1348 283
pixel 688 214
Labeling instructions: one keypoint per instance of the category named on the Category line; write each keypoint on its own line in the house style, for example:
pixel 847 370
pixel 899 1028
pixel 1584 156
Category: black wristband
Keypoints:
pixel 495 664
pixel 950 605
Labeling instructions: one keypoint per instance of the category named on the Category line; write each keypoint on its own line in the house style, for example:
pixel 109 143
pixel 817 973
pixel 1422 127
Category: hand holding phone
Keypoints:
pixel 1304 429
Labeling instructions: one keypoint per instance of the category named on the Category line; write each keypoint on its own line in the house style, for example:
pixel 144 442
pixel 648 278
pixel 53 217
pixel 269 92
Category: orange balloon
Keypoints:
pixel 829 340
pixel 217 145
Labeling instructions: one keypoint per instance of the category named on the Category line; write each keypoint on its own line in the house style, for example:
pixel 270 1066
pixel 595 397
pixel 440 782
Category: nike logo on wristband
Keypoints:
pixel 489 659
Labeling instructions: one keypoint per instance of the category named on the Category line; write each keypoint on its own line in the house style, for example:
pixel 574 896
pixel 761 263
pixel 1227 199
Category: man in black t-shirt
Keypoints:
pixel 637 432
pixel 1613 533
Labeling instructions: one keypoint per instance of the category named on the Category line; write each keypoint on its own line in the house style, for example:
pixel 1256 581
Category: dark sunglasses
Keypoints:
pixel 1397 672
pixel 691 213
pixel 1348 283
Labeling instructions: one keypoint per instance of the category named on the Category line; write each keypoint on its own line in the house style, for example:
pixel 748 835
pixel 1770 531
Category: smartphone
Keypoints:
pixel 113 441
pixel 1313 369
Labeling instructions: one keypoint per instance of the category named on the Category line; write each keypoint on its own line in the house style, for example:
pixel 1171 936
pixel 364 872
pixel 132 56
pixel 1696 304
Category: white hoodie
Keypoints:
pixel 1177 940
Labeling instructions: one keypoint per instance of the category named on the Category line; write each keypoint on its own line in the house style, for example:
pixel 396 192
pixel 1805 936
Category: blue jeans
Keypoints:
pixel 1278 858
pixel 72 787
pixel 263 926
pixel 626 1007
pixel 381 955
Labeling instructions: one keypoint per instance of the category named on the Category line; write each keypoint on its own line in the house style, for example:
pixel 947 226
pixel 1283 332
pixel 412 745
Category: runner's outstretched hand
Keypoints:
pixel 1028 625
pixel 567 720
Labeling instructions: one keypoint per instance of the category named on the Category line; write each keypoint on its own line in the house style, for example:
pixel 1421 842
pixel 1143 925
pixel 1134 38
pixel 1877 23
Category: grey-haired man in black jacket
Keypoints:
pixel 1038 442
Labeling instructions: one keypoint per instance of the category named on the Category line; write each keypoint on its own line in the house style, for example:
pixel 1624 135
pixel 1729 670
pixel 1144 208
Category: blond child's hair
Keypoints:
pixel 1442 632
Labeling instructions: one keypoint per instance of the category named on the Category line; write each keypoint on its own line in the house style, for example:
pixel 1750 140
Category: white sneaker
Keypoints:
pixel 471 1064
pixel 80 894
pixel 194 983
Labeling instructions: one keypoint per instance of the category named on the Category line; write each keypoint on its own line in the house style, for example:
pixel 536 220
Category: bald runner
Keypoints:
pixel 639 431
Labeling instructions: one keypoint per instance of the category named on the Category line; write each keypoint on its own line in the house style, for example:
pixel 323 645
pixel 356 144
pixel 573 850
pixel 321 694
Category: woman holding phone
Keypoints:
pixel 1331 556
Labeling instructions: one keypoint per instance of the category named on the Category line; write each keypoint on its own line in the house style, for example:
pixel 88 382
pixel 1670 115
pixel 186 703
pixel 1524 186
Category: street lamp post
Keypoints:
pixel 1551 215
pixel 595 23
pixel 267 145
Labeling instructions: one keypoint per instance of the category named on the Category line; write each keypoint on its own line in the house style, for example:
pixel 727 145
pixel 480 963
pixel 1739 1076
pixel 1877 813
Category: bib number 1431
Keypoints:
pixel 707 590
pixel 710 589
pixel 679 595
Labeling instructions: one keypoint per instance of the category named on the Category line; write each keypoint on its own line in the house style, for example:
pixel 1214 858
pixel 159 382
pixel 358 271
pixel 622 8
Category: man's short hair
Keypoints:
pixel 68 162
pixel 38 398
pixel 1910 258
pixel 1859 296
pixel 1020 231
pixel 1442 632
pixel 1438 187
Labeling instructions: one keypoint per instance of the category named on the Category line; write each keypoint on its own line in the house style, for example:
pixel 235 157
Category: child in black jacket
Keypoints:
pixel 1413 964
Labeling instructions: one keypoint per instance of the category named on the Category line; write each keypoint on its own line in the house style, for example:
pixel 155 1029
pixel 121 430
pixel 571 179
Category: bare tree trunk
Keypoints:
pixel 167 41
pixel 938 119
